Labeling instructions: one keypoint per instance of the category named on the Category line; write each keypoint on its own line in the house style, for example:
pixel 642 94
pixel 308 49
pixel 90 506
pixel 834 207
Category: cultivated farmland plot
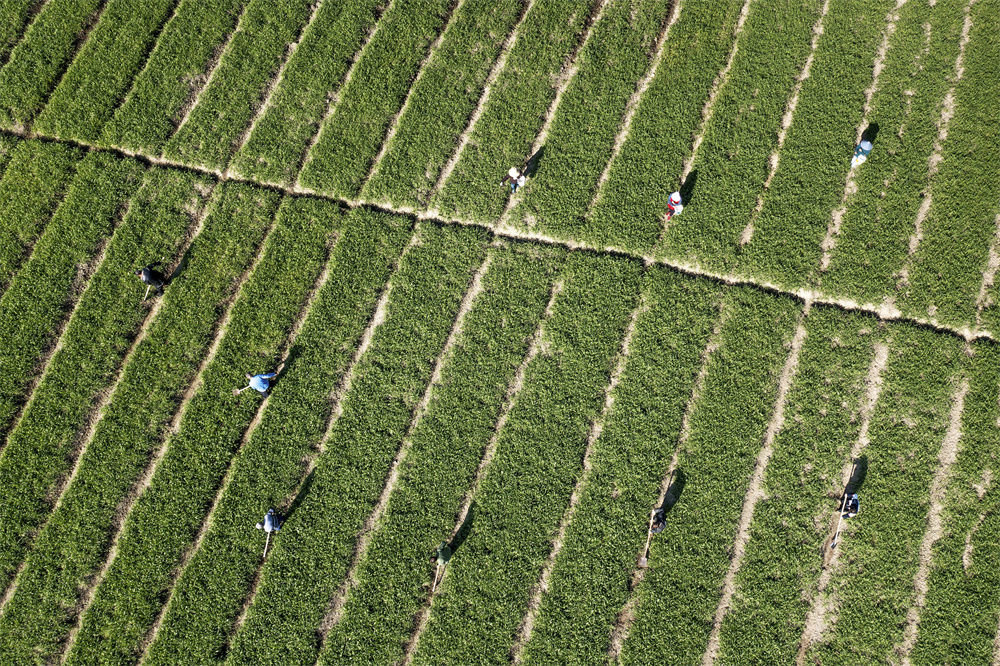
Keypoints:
pixel 484 392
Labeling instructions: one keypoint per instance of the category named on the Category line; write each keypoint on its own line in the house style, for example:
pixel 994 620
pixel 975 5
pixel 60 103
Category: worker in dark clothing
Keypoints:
pixel 441 556
pixel 853 506
pixel 659 521
pixel 152 278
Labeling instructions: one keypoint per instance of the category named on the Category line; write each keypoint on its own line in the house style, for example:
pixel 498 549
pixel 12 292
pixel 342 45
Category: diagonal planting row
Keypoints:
pixel 15 16
pixel 209 595
pixel 79 534
pixel 53 430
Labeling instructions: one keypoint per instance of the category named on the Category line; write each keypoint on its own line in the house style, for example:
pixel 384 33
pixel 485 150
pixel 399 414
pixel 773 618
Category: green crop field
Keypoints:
pixel 523 376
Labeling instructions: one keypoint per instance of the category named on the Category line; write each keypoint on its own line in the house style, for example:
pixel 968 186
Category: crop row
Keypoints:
pixel 48 286
pixel 277 147
pixel 815 158
pixel 310 557
pixel 630 207
pixel 78 535
pixel 174 73
pixel 582 135
pixel 515 111
pixel 879 553
pixel 346 147
pixel 539 453
pixel 165 520
pixel 689 558
pixel 394 579
pixel 801 489
pixel 590 579
pixel 441 103
pixel 879 219
pixel 99 77
pixel 36 63
pixel 208 597
pixel 30 190
pixel 14 18
pixel 47 440
pixel 226 106
pixel 732 162
pixel 948 266
pixel 959 623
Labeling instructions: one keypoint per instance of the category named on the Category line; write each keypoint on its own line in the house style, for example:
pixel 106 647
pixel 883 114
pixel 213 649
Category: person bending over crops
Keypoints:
pixel 271 522
pixel 674 205
pixel 853 506
pixel 515 177
pixel 152 277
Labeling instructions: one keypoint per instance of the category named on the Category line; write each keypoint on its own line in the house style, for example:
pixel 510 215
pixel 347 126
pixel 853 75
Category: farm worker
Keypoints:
pixel 853 506
pixel 861 153
pixel 443 554
pixel 515 177
pixel 261 382
pixel 152 277
pixel 674 205
pixel 271 523
pixel 659 521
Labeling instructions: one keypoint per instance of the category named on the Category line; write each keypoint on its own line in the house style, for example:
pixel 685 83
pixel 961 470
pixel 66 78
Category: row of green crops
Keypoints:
pixel 76 540
pixel 442 102
pixel 879 219
pixel 631 204
pixel 172 76
pixel 228 104
pixel 394 578
pixel 879 552
pixel 948 266
pixel 590 580
pixel 801 490
pixel 516 109
pixel 37 62
pixel 47 439
pixel 32 184
pixel 732 162
pixel 48 286
pixel 347 146
pixel 688 560
pixel 311 555
pixel 582 136
pixel 165 520
pixel 959 622
pixel 209 595
pixel 99 77
pixel 816 156
pixel 7 145
pixel 15 16
pixel 276 148
pixel 526 489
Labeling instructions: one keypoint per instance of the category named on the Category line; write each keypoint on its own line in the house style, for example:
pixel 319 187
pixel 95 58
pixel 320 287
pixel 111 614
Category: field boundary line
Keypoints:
pixel 884 311
pixel 566 75
pixel 996 647
pixel 337 398
pixel 626 615
pixel 596 430
pixel 786 121
pixel 276 80
pixel 390 134
pixel 850 184
pixel 635 100
pixel 206 525
pixel 335 609
pixel 755 492
pixel 37 8
pixel 819 606
pixel 989 275
pixel 510 399
pixel 948 454
pixel 463 139
pixel 335 96
pixel 97 413
pixel 213 67
pixel 936 157
pixel 139 488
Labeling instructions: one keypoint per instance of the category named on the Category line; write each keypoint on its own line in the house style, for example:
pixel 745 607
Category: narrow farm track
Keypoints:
pixel 850 185
pixel 143 484
pixel 755 492
pixel 335 610
pixel 498 67
pixel 224 486
pixel 626 616
pixel 989 275
pixel 786 121
pixel 596 428
pixel 816 619
pixel 35 10
pixel 935 528
pixel 510 399
pixel 265 102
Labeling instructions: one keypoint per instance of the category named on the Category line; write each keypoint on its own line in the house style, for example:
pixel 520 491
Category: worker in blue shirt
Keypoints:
pixel 260 383
pixel 271 523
